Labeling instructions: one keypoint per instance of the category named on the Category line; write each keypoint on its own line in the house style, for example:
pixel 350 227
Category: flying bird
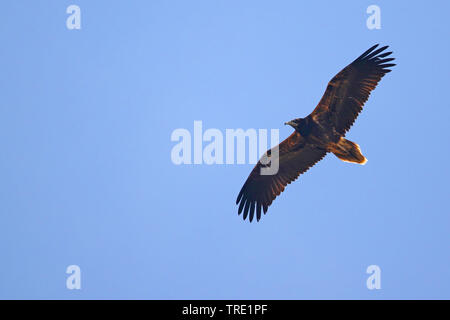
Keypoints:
pixel 320 132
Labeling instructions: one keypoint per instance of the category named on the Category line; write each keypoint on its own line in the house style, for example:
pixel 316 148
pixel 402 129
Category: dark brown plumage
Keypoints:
pixel 320 132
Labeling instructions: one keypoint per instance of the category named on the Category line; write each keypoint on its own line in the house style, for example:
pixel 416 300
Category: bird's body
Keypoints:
pixel 313 132
pixel 319 137
pixel 317 134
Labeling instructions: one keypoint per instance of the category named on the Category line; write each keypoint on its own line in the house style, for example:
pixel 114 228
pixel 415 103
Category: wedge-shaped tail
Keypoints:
pixel 348 151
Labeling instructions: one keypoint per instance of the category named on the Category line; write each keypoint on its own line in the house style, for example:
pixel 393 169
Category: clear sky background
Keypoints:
pixel 86 176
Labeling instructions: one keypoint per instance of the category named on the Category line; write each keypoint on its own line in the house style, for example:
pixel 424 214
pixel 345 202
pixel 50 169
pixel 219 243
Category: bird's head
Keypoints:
pixel 296 123
pixel 301 125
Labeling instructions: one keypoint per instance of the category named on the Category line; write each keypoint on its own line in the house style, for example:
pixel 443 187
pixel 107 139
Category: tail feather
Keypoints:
pixel 348 151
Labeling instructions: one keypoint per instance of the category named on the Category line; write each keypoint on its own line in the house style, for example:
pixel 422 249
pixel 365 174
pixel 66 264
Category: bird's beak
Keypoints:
pixel 289 123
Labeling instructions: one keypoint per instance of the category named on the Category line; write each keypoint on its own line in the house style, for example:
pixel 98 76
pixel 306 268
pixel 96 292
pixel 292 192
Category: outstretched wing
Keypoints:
pixel 295 157
pixel 347 92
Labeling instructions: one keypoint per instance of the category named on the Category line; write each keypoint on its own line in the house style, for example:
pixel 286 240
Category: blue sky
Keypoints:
pixel 86 176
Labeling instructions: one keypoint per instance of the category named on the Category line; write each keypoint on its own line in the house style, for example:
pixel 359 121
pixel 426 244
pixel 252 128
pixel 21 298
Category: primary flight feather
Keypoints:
pixel 320 132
